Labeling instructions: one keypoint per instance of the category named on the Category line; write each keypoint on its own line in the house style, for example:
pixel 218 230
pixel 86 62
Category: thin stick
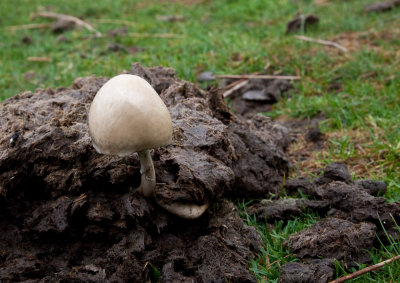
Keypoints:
pixel 76 20
pixel 231 85
pixel 321 41
pixel 259 77
pixel 235 88
pixel 365 270
pixel 39 59
pixel 29 26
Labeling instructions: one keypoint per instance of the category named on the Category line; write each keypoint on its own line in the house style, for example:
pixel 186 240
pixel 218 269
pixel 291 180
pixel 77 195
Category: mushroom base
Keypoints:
pixel 148 181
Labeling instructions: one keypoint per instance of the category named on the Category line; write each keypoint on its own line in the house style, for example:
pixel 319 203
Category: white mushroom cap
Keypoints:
pixel 127 116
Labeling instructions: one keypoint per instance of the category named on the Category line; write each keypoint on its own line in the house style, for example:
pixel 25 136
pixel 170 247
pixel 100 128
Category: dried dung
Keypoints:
pixel 68 213
pixel 316 271
pixel 258 95
pixel 334 238
pixel 381 6
pixel 354 216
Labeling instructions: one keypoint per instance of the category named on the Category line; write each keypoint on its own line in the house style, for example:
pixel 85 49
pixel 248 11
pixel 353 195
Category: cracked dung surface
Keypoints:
pixel 68 213
pixel 352 215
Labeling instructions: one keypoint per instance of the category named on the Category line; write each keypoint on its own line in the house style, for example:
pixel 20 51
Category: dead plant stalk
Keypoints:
pixel 239 85
pixel 259 77
pixel 365 270
pixel 323 42
pixel 76 20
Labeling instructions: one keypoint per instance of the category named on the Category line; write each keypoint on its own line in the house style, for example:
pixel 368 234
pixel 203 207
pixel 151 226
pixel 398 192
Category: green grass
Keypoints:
pixel 266 266
pixel 272 255
pixel 387 273
pixel 238 36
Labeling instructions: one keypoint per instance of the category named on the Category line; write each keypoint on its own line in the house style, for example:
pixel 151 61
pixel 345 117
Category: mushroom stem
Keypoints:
pixel 148 180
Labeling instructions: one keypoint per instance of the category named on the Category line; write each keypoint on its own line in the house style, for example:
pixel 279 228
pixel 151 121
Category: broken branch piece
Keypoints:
pixel 237 86
pixel 365 270
pixel 76 20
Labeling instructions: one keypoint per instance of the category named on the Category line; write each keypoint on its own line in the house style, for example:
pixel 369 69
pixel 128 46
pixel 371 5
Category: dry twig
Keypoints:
pixel 259 77
pixel 323 42
pixel 39 59
pixel 237 85
pixel 76 20
pixel 365 270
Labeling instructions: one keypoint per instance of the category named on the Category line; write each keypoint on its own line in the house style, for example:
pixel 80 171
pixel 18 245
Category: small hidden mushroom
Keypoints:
pixel 127 116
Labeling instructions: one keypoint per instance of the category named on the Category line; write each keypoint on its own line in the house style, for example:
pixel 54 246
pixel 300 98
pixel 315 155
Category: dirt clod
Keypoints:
pixel 258 95
pixel 62 25
pixel 314 135
pixel 27 40
pixel 315 271
pixel 286 209
pixel 381 6
pixel 373 187
pixel 334 238
pixel 335 171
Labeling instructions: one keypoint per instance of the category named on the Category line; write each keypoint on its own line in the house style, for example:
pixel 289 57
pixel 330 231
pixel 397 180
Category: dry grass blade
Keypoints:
pixel 39 59
pixel 157 35
pixel 139 35
pixel 76 20
pixel 258 77
pixel 365 270
pixel 115 21
pixel 323 42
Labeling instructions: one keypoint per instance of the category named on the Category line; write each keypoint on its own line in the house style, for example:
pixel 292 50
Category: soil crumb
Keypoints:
pixel 70 214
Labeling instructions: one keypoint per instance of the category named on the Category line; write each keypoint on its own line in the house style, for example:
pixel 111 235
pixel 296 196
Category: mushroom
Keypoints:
pixel 127 116
pixel 185 210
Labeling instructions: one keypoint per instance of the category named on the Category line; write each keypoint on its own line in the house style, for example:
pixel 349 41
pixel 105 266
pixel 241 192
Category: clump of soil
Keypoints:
pixel 352 214
pixel 316 271
pixel 68 213
pixel 381 6
pixel 62 25
pixel 258 95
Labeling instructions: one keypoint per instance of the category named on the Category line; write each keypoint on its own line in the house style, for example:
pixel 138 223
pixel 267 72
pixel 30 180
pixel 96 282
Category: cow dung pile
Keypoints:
pixel 69 214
